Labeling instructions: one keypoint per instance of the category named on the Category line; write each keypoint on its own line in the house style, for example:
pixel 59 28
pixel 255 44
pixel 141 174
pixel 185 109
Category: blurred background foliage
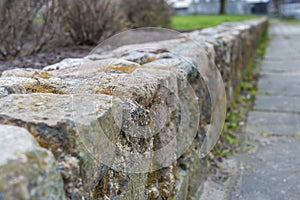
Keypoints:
pixel 30 26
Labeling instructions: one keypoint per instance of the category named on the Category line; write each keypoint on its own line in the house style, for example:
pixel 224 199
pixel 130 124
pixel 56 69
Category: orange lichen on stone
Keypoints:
pixel 43 89
pixel 121 68
pixel 44 75
pixel 107 92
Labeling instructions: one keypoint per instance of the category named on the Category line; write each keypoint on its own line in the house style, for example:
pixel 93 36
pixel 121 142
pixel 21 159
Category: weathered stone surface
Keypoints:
pixel 51 123
pixel 138 101
pixel 66 63
pixel 27 171
pixel 12 85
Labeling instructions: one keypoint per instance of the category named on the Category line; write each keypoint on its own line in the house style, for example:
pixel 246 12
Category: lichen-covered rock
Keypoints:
pixel 66 63
pixel 27 171
pixel 50 122
pixel 11 85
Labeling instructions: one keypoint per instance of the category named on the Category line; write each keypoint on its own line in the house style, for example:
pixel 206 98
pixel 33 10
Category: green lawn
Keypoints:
pixel 204 21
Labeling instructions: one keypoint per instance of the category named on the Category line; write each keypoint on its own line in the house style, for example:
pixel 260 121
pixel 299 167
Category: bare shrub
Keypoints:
pixel 26 26
pixel 16 18
pixel 141 13
pixel 47 30
pixel 91 21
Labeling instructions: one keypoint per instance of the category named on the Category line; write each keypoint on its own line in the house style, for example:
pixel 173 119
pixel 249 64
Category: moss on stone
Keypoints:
pixel 43 89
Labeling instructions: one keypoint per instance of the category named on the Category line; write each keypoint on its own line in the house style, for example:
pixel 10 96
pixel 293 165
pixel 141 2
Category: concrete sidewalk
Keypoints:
pixel 271 170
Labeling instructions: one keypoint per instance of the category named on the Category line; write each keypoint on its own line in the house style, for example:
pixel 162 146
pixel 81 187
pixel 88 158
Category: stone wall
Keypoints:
pixel 64 129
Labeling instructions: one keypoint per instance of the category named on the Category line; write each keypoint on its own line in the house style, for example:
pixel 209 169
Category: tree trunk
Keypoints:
pixel 277 6
pixel 222 7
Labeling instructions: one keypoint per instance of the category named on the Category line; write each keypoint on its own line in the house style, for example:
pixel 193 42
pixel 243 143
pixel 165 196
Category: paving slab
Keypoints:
pixel 281 66
pixel 277 28
pixel 280 84
pixel 284 47
pixel 278 103
pixel 273 123
pixel 271 173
